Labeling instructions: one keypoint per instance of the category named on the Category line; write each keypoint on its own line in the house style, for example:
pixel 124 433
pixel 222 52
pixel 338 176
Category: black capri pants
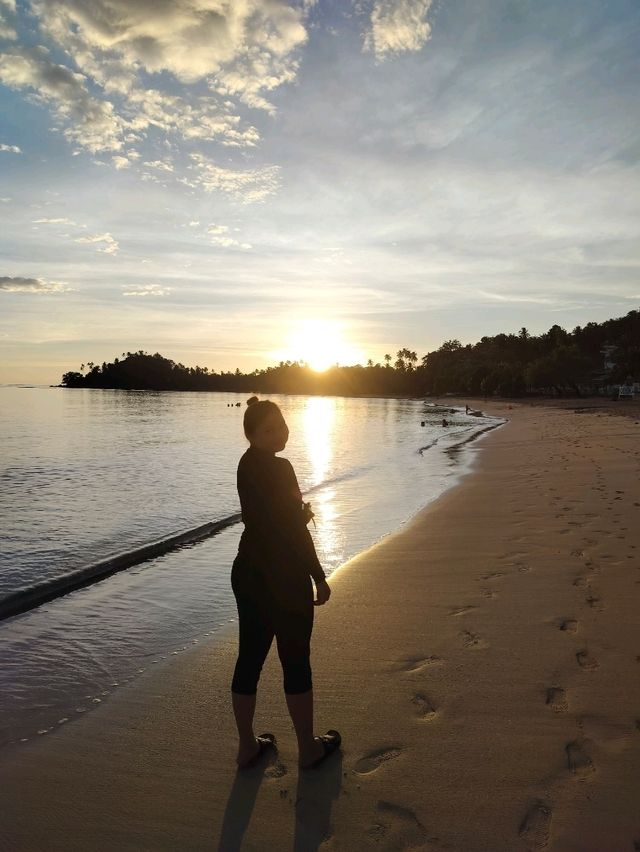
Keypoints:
pixel 282 608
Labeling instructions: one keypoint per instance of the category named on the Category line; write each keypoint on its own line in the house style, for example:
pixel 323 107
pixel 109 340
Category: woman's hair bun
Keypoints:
pixel 252 400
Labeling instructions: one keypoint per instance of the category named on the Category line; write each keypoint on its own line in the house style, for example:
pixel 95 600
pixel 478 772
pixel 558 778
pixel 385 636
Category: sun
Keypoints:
pixel 320 344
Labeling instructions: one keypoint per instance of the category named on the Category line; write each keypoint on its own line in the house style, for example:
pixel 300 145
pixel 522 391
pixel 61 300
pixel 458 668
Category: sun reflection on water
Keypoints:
pixel 319 415
pixel 319 421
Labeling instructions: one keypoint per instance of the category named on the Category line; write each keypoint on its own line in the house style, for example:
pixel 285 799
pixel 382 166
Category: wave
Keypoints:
pixel 46 590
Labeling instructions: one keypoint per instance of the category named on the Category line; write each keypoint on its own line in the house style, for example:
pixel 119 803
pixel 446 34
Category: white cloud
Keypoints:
pixel 111 245
pixel 220 237
pixel 7 31
pixel 242 48
pixel 92 123
pixel 197 118
pixel 160 165
pixel 32 285
pixel 397 26
pixel 60 221
pixel 238 51
pixel 216 230
pixel 12 149
pixel 148 290
pixel 192 39
pixel 120 162
pixel 247 185
pixel 5 199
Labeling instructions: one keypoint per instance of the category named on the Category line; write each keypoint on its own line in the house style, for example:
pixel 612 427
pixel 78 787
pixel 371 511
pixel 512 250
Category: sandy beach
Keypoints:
pixel 482 665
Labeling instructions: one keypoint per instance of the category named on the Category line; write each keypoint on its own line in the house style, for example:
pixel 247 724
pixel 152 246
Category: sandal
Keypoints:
pixel 330 742
pixel 265 742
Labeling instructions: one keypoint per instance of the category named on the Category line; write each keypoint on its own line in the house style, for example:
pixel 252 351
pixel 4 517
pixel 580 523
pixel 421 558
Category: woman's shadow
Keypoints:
pixel 317 789
pixel 315 793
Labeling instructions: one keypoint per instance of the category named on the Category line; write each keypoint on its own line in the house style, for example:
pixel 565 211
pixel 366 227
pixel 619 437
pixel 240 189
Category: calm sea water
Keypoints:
pixel 88 473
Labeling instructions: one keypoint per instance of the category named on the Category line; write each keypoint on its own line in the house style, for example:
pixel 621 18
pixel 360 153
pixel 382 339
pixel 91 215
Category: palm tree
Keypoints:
pixel 387 358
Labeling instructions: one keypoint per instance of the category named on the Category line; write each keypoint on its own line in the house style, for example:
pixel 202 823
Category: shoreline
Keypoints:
pixel 30 597
pixel 505 652
pixel 77 702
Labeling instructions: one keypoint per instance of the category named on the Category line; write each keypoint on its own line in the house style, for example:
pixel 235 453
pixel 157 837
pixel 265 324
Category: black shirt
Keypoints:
pixel 275 539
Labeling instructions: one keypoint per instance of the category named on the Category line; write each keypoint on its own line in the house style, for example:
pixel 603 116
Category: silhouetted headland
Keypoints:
pixel 593 359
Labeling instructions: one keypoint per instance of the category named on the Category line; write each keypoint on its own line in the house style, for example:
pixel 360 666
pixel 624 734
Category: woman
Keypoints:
pixel 271 580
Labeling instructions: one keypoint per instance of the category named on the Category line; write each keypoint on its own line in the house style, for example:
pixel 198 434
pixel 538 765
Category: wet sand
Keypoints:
pixel 482 664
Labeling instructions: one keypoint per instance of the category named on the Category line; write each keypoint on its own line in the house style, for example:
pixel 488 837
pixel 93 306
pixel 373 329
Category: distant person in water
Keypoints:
pixel 445 422
pixel 272 582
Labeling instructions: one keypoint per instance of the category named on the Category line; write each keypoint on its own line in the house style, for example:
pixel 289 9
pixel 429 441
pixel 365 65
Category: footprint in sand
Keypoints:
pixel 578 760
pixel 569 625
pixel 276 770
pixel 489 593
pixel 396 827
pixel 536 825
pixel 586 660
pixel 424 708
pixel 493 575
pixel 416 664
pixel 374 759
pixel 472 640
pixel 557 699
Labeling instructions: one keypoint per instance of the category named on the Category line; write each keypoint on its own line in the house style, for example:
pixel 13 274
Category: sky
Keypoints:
pixel 236 182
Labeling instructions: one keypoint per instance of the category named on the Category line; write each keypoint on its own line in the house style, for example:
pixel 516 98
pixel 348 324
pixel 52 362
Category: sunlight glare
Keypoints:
pixel 319 414
pixel 320 344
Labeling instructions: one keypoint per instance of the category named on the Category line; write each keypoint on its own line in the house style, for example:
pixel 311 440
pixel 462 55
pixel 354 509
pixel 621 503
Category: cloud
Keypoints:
pixel 7 31
pixel 197 118
pixel 60 221
pixel 160 165
pixel 135 69
pixel 13 149
pixel 149 290
pixel 247 185
pixel 93 123
pixel 397 26
pixel 121 162
pixel 220 236
pixel 32 285
pixel 241 48
pixel 111 245
pixel 514 298
pixel 191 39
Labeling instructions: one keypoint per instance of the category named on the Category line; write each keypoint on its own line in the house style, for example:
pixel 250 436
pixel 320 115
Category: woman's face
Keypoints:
pixel 271 434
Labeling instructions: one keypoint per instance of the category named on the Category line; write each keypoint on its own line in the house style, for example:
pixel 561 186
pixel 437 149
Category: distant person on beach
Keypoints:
pixel 271 580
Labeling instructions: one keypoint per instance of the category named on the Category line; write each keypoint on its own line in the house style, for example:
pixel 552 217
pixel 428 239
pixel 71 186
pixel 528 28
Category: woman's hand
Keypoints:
pixel 323 593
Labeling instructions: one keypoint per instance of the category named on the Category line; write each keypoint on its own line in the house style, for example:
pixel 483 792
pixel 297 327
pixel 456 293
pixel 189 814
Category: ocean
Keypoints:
pixel 86 474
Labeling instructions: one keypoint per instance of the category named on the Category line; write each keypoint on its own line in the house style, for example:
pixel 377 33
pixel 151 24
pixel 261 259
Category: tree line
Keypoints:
pixel 586 360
